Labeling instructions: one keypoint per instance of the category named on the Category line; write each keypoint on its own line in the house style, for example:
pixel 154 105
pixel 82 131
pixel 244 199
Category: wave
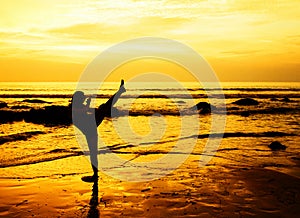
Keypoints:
pixel 41 176
pixel 57 154
pixel 36 96
pixel 170 94
pixel 273 110
pixel 246 134
pixel 223 135
pixel 19 136
pixel 247 89
pixel 41 157
pixel 62 115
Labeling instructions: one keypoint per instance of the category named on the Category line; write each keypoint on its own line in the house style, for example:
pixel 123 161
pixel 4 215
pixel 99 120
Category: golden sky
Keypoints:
pixel 257 40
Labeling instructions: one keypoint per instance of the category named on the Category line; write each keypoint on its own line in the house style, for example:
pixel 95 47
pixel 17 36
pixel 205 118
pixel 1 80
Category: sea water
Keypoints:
pixel 150 125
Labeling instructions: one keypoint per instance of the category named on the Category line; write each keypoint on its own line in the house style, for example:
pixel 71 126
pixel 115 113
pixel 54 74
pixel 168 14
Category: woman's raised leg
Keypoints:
pixel 104 110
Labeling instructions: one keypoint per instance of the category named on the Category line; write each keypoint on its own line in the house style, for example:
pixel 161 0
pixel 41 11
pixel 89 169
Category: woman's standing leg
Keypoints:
pixel 92 140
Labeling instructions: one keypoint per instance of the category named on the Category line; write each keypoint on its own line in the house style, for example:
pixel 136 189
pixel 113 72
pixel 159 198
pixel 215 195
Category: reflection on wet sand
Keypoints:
pixel 93 211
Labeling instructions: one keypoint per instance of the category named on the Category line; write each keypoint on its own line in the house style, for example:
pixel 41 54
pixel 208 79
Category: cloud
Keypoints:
pixel 241 52
pixel 108 33
pixel 44 46
pixel 293 39
pixel 87 31
pixel 76 31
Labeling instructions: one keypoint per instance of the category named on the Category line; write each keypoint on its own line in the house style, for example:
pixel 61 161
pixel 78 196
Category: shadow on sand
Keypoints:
pixel 94 211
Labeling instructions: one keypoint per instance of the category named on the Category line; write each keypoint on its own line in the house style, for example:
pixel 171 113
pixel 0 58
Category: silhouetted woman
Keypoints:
pixel 88 119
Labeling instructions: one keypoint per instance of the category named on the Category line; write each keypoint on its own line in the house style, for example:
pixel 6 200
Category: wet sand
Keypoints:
pixel 190 191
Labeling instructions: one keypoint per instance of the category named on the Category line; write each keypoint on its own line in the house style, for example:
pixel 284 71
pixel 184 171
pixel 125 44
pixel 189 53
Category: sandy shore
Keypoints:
pixel 212 191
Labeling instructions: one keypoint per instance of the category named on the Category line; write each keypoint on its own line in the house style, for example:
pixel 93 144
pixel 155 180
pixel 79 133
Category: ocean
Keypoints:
pixel 148 126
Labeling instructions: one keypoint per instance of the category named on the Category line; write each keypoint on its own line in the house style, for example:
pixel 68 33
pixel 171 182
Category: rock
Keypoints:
pixel 275 146
pixel 274 99
pixel 286 99
pixel 246 102
pixel 35 101
pixel 204 107
pixel 59 114
pixel 245 113
pixel 58 150
pixel 50 115
pixel 146 189
pixel 3 104
pixel 8 116
pixel 296 158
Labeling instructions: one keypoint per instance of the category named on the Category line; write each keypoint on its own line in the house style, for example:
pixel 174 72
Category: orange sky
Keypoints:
pixel 243 40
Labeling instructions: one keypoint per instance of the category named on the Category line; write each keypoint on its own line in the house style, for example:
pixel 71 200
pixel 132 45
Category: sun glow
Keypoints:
pixel 238 38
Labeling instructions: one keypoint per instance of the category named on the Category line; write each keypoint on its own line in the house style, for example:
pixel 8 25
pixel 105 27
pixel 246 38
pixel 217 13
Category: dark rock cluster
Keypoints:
pixel 204 107
pixel 246 102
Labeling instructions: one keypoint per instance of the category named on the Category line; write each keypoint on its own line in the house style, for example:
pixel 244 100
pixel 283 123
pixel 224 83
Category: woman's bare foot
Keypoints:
pixel 93 178
pixel 122 88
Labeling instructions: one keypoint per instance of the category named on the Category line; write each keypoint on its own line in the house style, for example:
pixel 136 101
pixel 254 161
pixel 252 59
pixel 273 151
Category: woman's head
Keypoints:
pixel 78 98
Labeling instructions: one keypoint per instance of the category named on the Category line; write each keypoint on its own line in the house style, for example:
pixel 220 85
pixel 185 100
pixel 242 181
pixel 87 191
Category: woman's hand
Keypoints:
pixel 88 102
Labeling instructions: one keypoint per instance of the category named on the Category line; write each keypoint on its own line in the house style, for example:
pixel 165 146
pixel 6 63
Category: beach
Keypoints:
pixel 43 156
pixel 212 191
